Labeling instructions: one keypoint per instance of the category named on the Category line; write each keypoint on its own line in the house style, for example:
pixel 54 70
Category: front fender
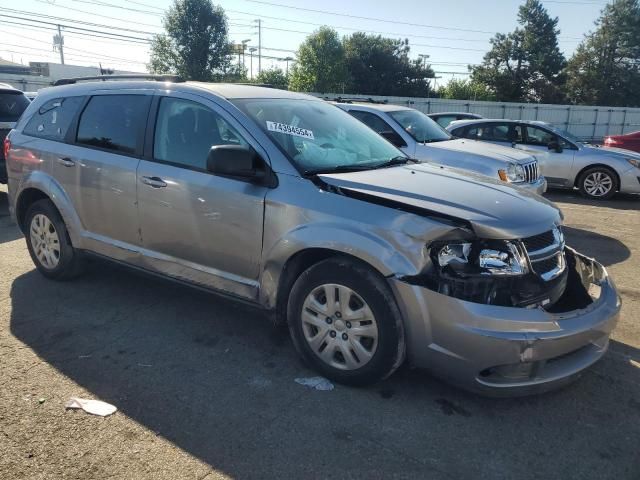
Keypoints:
pixel 371 247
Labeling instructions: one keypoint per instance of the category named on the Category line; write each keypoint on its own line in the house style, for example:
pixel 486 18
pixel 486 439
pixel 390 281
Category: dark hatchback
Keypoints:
pixel 12 103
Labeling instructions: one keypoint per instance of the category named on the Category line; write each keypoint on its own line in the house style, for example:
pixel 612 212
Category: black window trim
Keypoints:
pixel 72 133
pixel 549 131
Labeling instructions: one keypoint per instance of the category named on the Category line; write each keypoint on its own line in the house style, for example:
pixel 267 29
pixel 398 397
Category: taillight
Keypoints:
pixel 7 147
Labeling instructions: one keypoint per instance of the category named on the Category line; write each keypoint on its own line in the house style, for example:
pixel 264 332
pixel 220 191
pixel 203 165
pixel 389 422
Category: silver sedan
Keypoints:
pixel 566 161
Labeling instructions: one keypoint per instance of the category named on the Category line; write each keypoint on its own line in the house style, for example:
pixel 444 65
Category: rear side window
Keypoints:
pixel 12 105
pixel 445 120
pixel 53 118
pixel 114 122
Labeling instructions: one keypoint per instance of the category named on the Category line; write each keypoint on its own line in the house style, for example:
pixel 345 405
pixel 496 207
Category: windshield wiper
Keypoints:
pixel 399 160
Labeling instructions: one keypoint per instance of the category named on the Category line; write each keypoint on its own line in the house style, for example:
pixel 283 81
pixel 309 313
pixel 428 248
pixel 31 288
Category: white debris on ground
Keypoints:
pixel 317 383
pixel 94 407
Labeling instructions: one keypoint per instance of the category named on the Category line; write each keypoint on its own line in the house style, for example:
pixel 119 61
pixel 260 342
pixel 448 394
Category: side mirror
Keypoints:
pixel 555 146
pixel 239 162
pixel 393 137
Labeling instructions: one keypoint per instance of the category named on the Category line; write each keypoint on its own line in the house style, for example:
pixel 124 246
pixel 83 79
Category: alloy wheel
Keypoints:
pixel 598 184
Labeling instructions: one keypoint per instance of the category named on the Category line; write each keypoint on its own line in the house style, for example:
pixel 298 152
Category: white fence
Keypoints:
pixel 588 123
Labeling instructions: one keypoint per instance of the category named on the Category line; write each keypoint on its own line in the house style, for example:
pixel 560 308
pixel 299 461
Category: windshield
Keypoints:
pixel 317 136
pixel 419 126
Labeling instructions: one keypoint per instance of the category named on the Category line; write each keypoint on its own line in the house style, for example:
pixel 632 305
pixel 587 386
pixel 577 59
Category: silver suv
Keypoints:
pixel 289 203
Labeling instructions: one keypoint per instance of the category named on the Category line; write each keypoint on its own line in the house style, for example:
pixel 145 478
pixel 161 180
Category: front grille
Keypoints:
pixel 531 172
pixel 538 242
pixel 543 266
pixel 546 253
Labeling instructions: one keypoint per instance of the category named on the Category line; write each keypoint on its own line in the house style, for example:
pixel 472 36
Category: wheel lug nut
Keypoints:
pixel 329 320
pixel 333 334
pixel 348 324
pixel 338 315
pixel 344 336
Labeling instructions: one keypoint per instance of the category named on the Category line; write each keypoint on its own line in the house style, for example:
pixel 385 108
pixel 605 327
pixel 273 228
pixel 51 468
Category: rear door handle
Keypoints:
pixel 66 162
pixel 155 182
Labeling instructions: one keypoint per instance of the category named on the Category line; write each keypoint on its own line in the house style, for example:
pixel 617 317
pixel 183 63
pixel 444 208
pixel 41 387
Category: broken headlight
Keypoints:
pixel 481 257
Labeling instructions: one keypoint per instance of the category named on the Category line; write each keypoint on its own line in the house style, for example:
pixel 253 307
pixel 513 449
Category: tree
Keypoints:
pixel 526 64
pixel 320 66
pixel 274 77
pixel 195 44
pixel 605 69
pixel 381 66
pixel 465 90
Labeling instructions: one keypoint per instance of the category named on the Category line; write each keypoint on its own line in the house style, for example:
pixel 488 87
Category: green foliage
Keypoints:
pixel 195 44
pixel 466 90
pixel 321 65
pixel 381 66
pixel 605 70
pixel 274 77
pixel 526 64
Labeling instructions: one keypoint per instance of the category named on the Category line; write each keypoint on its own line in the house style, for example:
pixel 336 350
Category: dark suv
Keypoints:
pixel 12 103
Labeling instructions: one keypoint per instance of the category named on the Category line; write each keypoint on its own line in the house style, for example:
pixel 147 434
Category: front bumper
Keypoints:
pixel 507 351
pixel 539 186
pixel 630 181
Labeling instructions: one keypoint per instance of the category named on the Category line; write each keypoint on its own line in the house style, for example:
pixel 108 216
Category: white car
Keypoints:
pixel 423 139
pixel 568 162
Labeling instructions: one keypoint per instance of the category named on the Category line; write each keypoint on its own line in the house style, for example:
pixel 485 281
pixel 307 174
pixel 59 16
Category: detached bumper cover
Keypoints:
pixel 506 350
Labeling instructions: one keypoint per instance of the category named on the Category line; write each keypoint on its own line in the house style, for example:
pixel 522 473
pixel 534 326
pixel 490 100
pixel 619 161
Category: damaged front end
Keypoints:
pixel 537 271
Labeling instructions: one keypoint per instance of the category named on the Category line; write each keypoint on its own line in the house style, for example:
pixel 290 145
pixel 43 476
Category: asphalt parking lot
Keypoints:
pixel 205 387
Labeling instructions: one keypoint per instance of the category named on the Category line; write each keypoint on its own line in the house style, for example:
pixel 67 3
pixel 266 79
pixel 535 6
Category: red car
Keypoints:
pixel 630 141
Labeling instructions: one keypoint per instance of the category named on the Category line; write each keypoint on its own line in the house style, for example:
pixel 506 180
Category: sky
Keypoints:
pixel 453 33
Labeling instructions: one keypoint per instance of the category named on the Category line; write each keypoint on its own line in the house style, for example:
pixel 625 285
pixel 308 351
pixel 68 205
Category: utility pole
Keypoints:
pixel 259 45
pixel 288 59
pixel 59 41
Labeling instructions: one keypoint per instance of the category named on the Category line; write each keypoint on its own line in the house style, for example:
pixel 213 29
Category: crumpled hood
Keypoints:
pixel 480 149
pixel 494 209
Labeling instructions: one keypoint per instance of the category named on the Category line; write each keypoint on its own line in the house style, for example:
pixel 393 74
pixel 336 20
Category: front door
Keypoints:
pixel 197 226
pixel 556 166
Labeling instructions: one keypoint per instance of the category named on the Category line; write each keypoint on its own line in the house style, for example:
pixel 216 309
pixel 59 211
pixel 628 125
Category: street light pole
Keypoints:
pixel 251 50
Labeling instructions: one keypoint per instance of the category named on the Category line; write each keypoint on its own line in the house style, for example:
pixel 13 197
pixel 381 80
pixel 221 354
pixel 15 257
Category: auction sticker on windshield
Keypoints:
pixel 289 130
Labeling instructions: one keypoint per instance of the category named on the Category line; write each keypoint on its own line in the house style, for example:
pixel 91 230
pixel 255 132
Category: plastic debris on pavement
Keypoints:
pixel 94 407
pixel 317 383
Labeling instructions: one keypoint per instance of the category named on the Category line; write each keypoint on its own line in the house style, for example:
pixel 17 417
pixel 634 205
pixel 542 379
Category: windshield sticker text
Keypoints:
pixel 289 130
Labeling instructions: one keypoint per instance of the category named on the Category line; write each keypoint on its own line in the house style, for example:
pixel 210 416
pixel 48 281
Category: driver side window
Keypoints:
pixel 540 137
pixel 185 132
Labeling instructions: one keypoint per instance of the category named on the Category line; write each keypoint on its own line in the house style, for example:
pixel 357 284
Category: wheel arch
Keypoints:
pixel 576 183
pixel 27 197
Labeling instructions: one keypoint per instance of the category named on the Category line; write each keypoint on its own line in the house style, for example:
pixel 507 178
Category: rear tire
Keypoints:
pixel 345 323
pixel 49 244
pixel 598 183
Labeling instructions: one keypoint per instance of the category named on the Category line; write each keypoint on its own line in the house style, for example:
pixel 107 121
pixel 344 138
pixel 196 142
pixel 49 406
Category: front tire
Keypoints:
pixel 345 323
pixel 598 183
pixel 49 244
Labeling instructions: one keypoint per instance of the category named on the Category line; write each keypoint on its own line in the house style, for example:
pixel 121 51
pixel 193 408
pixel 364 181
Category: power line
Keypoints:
pixel 66 7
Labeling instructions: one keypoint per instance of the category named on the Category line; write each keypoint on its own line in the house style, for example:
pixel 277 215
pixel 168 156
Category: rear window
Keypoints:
pixel 53 118
pixel 114 122
pixel 12 105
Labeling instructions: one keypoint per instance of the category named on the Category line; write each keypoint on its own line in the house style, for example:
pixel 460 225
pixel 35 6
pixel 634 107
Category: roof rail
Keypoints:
pixel 142 76
pixel 355 100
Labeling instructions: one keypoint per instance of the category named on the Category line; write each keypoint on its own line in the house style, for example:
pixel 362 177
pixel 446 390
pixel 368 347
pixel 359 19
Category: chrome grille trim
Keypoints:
pixel 530 171
pixel 540 258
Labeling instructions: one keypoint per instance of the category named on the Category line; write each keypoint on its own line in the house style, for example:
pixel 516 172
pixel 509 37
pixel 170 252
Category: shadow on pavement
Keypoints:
pixel 217 379
pixel 607 250
pixel 620 201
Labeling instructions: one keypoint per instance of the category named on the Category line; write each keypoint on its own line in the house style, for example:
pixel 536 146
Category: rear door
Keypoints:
pixel 98 170
pixel 197 226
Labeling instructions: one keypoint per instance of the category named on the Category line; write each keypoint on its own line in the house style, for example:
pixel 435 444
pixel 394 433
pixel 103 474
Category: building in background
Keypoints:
pixel 39 75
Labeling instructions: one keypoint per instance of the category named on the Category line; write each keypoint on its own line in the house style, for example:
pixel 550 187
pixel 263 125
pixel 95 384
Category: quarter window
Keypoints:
pixel 53 118
pixel 114 122
pixel 186 131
